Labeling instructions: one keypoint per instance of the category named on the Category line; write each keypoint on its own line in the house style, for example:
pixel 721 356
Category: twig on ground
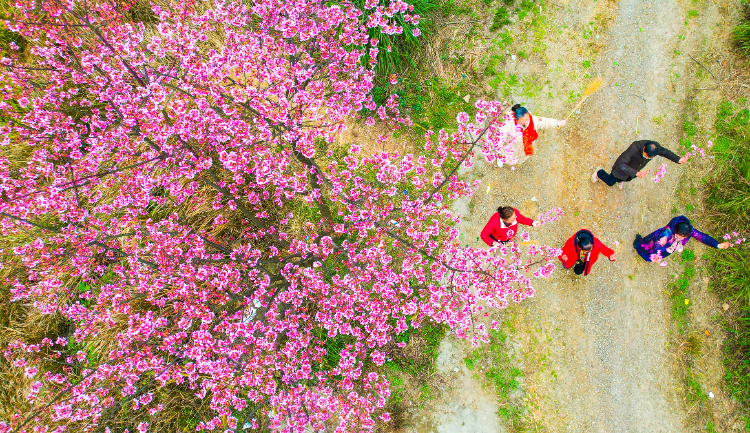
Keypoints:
pixel 709 71
pixel 637 96
pixel 460 22
pixel 706 88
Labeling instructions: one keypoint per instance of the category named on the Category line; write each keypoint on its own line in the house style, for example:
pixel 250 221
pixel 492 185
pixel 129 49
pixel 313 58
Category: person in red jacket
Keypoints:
pixel 582 250
pixel 503 225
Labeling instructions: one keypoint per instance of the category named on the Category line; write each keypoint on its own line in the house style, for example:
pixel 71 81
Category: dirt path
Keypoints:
pixel 605 336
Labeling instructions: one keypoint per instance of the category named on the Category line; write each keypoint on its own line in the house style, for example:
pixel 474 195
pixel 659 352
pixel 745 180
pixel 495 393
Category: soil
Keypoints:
pixel 599 350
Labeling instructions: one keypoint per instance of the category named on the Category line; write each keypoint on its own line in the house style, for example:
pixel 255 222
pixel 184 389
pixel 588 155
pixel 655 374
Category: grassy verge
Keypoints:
pixel 495 365
pixel 728 203
pixel 689 342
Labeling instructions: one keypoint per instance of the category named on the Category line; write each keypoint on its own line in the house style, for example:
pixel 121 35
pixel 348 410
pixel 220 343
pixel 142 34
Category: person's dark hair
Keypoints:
pixel 683 228
pixel 585 240
pixel 651 148
pixel 505 212
pixel 519 111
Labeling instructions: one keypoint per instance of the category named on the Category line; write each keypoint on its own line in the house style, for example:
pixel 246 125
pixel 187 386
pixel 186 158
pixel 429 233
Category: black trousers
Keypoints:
pixel 609 179
pixel 579 267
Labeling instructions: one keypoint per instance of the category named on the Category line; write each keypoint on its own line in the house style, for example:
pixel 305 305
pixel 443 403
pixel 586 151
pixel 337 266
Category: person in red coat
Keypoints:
pixel 582 250
pixel 503 225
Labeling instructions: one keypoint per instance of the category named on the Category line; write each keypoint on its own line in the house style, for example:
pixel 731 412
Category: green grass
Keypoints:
pixel 678 296
pixel 431 103
pixel 689 128
pixel 404 47
pixel 525 8
pixel 493 364
pixel 728 205
pixel 742 31
pixel 501 19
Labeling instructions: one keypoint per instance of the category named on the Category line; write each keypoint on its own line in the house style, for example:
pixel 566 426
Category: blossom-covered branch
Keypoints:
pixel 173 188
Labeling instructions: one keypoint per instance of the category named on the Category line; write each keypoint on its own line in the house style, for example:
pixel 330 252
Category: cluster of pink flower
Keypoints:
pixel 657 258
pixel 551 215
pixel 660 173
pixel 734 238
pixel 697 150
pixel 165 188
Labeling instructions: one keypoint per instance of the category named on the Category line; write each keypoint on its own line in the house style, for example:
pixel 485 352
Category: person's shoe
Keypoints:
pixel 620 185
pixel 499 163
pixel 595 177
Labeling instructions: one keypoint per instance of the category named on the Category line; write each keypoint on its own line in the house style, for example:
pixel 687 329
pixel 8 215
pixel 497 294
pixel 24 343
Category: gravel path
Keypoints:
pixel 605 335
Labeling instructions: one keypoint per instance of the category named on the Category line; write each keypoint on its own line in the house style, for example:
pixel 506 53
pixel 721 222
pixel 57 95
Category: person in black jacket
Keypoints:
pixel 629 164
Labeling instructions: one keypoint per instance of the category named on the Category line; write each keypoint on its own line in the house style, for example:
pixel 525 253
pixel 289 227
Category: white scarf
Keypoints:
pixel 676 246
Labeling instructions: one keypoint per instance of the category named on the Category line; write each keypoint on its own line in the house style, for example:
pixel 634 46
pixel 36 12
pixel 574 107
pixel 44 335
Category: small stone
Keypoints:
pixel 513 57
pixel 455 369
pixel 710 394
pixel 466 98
pixel 534 198
pixel 725 306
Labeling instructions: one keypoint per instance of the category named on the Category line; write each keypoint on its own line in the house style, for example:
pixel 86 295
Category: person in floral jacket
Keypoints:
pixel 520 132
pixel 672 238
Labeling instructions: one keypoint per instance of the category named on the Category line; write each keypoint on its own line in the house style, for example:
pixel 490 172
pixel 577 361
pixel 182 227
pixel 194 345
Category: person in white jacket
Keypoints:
pixel 520 132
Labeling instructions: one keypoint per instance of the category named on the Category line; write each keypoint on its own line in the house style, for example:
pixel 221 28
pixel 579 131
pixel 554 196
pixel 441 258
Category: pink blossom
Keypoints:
pixel 734 238
pixel 551 215
pixel 660 173
pixel 200 212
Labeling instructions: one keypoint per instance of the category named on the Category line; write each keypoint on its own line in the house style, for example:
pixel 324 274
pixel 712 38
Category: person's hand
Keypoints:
pixel 613 257
pixel 724 245
pixel 683 160
pixel 495 243
pixel 642 174
pixel 561 123
pixel 536 224
pixel 663 241
pixel 563 257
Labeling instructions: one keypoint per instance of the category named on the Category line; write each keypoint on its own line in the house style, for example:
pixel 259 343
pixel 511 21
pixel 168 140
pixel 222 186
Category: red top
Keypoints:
pixel 495 228
pixel 571 252
pixel 529 135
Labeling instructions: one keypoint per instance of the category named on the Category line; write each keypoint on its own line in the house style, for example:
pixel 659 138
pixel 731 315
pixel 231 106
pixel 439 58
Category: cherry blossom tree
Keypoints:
pixel 173 189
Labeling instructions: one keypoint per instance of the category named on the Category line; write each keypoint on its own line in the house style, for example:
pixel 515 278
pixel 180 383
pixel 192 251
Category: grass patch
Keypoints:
pixel 742 30
pixel 501 19
pixel 728 204
pixel 431 103
pixel 495 367
pixel 679 297
pixel 404 47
